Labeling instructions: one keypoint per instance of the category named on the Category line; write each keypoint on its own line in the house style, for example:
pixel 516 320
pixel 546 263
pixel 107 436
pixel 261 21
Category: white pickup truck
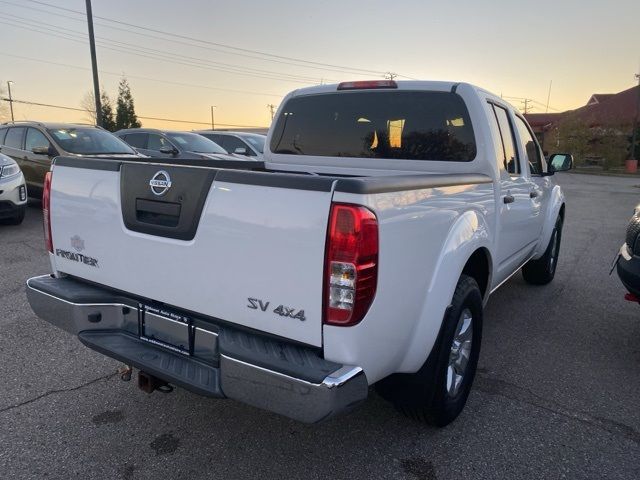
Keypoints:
pixel 360 252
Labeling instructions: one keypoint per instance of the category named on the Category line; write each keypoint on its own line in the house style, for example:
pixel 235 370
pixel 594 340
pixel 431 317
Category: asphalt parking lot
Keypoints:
pixel 557 395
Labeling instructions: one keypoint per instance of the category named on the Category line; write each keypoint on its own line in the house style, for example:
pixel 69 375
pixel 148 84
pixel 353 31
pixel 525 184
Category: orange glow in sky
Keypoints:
pixel 182 58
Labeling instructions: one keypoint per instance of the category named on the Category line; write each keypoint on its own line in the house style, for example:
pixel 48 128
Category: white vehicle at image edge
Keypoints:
pixel 13 192
pixel 361 252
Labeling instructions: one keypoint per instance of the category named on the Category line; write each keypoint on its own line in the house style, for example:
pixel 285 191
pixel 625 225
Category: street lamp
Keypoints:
pixel 10 98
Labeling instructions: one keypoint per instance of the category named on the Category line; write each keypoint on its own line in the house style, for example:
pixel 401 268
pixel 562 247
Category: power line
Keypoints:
pixel 64 107
pixel 38 104
pixel 60 30
pixel 169 82
pixel 527 108
pixel 174 41
pixel 531 101
pixel 128 49
pixel 222 45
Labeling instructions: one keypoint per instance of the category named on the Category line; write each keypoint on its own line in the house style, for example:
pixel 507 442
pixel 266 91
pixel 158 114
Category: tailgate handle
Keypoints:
pixel 158 213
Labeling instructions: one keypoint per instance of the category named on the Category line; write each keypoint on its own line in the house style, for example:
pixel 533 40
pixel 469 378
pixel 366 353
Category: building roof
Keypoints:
pixel 541 120
pixel 610 109
pixel 614 109
pixel 599 97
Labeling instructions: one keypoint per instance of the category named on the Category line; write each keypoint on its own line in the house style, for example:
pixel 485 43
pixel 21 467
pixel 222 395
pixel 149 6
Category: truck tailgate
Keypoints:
pixel 233 245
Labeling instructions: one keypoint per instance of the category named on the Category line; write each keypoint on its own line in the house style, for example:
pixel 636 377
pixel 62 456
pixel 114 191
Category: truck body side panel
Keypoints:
pixel 426 237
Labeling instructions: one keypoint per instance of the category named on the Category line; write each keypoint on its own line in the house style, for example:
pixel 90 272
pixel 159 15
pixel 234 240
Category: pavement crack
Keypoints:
pixel 495 386
pixel 55 391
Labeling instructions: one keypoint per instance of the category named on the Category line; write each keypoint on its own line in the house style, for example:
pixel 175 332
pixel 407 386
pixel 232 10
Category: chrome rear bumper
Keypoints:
pixel 111 324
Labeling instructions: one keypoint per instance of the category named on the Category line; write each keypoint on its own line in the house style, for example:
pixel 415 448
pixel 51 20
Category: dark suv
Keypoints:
pixel 175 145
pixel 628 260
pixel 34 144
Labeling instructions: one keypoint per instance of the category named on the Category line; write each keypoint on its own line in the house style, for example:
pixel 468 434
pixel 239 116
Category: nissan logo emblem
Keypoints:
pixel 160 183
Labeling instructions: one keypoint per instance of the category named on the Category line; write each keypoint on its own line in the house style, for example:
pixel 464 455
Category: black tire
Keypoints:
pixel 542 270
pixel 17 218
pixel 424 395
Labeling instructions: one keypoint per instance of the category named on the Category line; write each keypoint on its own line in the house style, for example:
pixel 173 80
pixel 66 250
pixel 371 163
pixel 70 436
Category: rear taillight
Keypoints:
pixel 351 268
pixel 46 211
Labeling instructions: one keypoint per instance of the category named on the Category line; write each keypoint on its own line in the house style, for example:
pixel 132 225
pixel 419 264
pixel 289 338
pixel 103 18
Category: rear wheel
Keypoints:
pixel 438 392
pixel 542 270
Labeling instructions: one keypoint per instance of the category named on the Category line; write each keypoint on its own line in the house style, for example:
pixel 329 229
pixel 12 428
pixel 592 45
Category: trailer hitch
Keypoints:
pixel 148 383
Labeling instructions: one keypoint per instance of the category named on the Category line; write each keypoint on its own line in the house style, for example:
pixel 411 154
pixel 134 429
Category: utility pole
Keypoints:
pixel 546 110
pixel 390 75
pixel 213 122
pixel 635 122
pixel 10 98
pixel 526 102
pixel 94 64
pixel 271 108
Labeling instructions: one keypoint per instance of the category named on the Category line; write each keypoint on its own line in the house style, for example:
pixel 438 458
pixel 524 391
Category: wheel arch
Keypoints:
pixel 556 208
pixel 479 267
pixel 466 250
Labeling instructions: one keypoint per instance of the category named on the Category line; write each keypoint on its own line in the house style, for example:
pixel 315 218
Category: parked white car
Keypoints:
pixel 13 192
pixel 362 253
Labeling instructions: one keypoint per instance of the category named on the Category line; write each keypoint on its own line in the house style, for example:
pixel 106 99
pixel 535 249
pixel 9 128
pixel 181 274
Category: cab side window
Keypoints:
pixel 35 138
pixel 511 164
pixel 530 147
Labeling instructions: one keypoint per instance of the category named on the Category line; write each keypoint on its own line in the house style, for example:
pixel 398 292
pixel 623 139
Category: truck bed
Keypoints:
pixel 233 241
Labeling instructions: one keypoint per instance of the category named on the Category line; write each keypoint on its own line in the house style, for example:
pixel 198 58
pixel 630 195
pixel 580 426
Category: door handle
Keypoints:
pixel 509 198
pixel 533 194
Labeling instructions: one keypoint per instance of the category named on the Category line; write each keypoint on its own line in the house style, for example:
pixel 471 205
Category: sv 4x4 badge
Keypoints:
pixel 256 304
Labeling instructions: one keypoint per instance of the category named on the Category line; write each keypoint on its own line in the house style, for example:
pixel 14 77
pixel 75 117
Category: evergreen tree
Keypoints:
pixel 125 111
pixel 108 122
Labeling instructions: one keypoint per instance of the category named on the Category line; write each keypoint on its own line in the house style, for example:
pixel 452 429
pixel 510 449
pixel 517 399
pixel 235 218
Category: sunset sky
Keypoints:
pixel 182 57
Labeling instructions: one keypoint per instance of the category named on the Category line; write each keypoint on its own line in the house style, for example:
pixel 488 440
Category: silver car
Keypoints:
pixel 13 192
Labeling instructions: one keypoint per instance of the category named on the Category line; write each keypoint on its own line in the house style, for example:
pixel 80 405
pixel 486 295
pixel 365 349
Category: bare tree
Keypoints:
pixel 4 108
pixel 88 104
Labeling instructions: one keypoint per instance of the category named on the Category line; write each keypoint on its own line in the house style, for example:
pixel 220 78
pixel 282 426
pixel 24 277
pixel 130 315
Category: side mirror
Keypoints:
pixel 168 150
pixel 49 151
pixel 560 162
pixel 240 151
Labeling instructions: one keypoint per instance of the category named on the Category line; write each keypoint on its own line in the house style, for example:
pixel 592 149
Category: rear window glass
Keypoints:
pixel 14 138
pixel 375 124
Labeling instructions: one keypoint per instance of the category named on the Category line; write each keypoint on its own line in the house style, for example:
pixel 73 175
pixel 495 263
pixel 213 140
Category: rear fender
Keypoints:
pixel 469 233
pixel 556 200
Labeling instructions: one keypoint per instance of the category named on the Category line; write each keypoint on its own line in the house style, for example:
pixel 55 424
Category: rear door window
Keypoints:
pixel 215 138
pixel 137 140
pixel 14 138
pixel 510 158
pixel 376 124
